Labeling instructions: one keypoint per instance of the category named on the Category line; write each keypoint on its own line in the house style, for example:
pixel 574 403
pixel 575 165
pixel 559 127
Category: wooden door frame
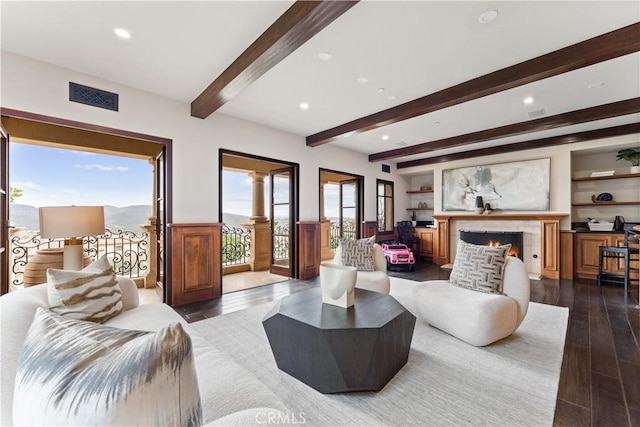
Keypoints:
pixel 4 208
pixel 134 136
pixel 360 190
pixel 295 201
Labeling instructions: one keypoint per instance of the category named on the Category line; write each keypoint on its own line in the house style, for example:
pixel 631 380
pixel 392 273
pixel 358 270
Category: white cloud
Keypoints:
pixel 27 185
pixel 83 153
pixel 102 168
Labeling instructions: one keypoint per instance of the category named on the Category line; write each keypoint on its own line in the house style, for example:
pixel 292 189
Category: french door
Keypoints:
pixel 161 223
pixel 4 211
pixel 282 221
pixel 349 209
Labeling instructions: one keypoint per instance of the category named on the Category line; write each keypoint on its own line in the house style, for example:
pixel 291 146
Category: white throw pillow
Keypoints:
pixel 358 253
pixel 479 267
pixel 73 372
pixel 91 294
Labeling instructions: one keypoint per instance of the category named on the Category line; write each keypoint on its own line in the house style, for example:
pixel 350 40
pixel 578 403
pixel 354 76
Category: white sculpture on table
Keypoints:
pixel 338 284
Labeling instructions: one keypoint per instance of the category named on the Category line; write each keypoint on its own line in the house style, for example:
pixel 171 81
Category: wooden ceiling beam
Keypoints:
pixel 600 112
pixel 602 48
pixel 528 145
pixel 299 23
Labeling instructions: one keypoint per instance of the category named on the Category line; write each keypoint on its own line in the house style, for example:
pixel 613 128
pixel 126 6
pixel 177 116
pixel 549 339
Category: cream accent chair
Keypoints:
pixel 377 280
pixel 475 317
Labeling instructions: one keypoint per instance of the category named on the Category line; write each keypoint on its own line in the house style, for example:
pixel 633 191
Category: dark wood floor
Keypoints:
pixel 600 377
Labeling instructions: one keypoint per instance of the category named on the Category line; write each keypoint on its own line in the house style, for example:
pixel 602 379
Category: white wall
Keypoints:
pixel 42 88
pixel 561 169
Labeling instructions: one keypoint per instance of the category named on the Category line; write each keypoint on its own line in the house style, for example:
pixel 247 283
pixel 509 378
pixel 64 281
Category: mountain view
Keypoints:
pixel 127 218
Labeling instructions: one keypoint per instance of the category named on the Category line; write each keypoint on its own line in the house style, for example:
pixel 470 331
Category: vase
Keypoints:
pixel 487 208
pixel 635 169
pixel 338 283
pixel 479 205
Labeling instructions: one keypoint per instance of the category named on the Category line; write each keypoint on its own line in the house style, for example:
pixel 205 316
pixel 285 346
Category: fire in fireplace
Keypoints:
pixel 496 238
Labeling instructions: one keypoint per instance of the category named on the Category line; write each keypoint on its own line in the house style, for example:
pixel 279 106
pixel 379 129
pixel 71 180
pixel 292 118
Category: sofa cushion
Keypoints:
pixel 479 267
pixel 73 372
pixel 90 294
pixel 358 253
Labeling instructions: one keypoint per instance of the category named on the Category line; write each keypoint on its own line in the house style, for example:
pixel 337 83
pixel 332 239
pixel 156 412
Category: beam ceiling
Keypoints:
pixel 589 52
pixel 600 112
pixel 299 23
pixel 528 145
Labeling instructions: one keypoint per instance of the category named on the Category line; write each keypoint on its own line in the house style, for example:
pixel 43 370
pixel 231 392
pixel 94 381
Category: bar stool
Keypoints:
pixel 618 253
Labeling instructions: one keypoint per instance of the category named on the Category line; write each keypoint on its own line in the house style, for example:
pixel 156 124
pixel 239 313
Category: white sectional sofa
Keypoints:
pixel 223 383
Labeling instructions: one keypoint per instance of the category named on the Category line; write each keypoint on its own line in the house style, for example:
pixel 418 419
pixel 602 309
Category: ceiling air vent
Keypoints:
pixel 536 113
pixel 92 96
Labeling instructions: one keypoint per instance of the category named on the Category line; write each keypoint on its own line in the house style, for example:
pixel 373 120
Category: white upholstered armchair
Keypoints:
pixel 377 280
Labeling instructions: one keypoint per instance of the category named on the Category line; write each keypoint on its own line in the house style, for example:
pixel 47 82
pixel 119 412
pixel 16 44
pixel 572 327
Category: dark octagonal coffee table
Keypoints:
pixel 335 350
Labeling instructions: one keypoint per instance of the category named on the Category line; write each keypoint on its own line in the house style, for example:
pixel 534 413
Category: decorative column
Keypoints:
pixel 151 278
pixel 325 229
pixel 258 226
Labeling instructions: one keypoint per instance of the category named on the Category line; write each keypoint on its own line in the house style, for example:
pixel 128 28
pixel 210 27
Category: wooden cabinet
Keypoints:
pixel 428 242
pixel 587 253
pixel 196 262
pixel 309 249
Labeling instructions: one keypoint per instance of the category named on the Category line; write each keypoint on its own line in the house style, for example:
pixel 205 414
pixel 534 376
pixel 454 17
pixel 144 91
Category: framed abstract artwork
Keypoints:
pixel 516 186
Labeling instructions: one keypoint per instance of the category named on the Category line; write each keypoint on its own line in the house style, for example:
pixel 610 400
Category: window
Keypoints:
pixel 384 209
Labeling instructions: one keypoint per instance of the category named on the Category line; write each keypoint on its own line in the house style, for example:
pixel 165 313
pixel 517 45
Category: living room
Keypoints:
pixel 35 86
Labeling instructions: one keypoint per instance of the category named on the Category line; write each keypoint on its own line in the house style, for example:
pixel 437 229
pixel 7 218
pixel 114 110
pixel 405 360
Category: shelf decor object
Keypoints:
pixel 602 198
pixel 630 155
pixel 515 186
pixel 71 223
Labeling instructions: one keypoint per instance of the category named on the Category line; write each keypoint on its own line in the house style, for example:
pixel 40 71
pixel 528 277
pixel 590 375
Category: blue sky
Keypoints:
pixel 57 177
pixel 237 188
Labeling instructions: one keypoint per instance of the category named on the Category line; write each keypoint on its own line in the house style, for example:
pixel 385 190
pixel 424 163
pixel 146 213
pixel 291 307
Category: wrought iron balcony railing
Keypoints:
pixel 236 245
pixel 346 231
pixel 126 251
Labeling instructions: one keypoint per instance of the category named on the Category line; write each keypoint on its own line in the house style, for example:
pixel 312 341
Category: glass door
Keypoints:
pixel 349 212
pixel 161 222
pixel 281 187
pixel 4 211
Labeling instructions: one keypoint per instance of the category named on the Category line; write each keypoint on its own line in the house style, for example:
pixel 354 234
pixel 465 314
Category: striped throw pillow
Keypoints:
pixel 90 294
pixel 358 253
pixel 479 267
pixel 73 372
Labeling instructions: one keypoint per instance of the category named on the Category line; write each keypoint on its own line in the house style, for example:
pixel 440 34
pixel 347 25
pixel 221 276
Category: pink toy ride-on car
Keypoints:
pixel 398 254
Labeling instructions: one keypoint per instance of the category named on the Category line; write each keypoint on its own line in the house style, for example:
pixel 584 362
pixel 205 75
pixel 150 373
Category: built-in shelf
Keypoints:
pixel 606 204
pixel 419 191
pixel 600 178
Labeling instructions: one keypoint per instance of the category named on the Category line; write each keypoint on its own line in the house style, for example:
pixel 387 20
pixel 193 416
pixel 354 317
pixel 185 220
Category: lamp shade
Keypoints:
pixel 71 221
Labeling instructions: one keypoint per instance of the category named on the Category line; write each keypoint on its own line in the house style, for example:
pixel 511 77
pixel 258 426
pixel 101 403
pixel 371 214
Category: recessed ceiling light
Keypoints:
pixel 391 97
pixel 436 123
pixel 304 106
pixel 385 137
pixel 122 33
pixel 380 90
pixel 325 56
pixel 528 100
pixel 362 80
pixel 596 85
pixel 401 144
pixel 488 16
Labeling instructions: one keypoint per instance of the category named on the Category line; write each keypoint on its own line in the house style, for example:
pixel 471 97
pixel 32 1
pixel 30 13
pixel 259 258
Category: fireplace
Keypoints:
pixel 496 238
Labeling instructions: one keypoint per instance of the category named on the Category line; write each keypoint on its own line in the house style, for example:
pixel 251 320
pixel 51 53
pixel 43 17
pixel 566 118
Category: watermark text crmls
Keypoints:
pixel 275 417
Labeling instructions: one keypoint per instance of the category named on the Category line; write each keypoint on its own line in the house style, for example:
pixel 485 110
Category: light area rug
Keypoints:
pixel 445 382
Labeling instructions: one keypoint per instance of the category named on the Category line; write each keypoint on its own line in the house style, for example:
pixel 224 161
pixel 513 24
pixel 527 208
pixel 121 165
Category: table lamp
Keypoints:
pixel 71 223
